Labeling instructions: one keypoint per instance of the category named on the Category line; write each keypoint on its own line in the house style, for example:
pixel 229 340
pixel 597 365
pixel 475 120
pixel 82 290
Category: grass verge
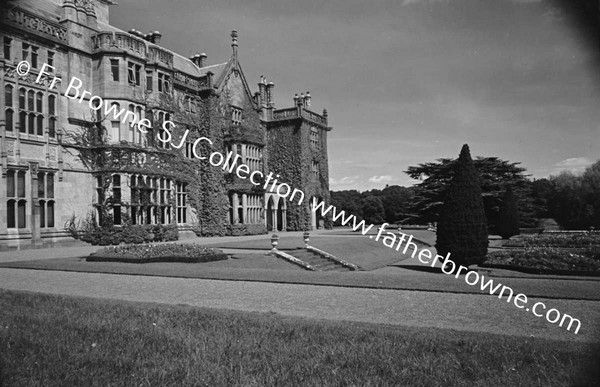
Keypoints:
pixel 56 340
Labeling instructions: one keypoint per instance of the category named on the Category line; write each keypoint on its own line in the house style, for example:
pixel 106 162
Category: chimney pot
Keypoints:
pixel 307 99
pixel 157 36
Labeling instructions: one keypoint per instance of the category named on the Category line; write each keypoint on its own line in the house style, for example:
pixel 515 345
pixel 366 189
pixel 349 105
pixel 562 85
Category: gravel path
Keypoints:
pixel 466 312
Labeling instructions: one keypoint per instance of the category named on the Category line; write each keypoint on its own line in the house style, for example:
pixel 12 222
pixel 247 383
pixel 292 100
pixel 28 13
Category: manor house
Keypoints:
pixel 63 160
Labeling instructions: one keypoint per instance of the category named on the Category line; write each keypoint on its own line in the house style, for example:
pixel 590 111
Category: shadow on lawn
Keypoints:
pixel 427 269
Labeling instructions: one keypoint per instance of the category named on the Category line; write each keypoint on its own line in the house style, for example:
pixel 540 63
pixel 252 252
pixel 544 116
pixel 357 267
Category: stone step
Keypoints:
pixel 318 262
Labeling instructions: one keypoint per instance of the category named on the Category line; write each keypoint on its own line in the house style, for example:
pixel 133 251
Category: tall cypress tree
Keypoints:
pixel 509 216
pixel 462 227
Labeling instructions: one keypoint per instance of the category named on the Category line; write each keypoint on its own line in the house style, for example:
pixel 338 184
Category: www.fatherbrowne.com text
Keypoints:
pixel 229 162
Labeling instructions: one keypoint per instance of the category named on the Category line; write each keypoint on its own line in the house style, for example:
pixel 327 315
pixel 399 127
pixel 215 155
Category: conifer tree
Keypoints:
pixel 509 216
pixel 462 227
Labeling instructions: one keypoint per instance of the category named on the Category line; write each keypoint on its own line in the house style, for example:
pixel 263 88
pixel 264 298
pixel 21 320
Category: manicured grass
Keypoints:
pixel 354 248
pixel 54 340
pixel 258 267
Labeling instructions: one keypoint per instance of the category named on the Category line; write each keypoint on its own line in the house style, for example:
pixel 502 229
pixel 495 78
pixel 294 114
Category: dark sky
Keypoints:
pixel 408 81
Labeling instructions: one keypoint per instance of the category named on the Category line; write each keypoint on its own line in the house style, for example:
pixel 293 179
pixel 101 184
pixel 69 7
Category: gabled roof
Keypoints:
pixel 216 69
pixel 224 69
pixel 185 65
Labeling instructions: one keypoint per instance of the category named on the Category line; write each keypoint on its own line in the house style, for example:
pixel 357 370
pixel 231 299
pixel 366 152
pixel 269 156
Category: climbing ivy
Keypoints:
pixel 205 184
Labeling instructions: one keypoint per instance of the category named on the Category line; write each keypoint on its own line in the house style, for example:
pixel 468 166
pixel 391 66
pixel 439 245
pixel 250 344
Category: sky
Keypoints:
pixel 408 81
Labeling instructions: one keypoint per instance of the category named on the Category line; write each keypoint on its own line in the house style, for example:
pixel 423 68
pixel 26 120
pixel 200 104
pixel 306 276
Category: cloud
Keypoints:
pixel 410 2
pixel 343 180
pixel 525 1
pixel 380 179
pixel 573 164
pixel 346 182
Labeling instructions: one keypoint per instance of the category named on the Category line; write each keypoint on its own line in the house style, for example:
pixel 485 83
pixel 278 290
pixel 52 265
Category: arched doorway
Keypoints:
pixel 280 214
pixel 316 219
pixel 270 214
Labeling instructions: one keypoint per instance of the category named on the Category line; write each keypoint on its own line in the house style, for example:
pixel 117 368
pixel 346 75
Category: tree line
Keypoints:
pixel 509 195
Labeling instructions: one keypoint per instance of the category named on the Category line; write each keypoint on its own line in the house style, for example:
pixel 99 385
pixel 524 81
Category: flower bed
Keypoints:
pixel 548 258
pixel 188 253
pixel 570 240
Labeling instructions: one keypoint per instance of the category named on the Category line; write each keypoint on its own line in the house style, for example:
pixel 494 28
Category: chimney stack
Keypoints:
pixel 307 99
pixel 262 90
pixel 234 43
pixel 270 96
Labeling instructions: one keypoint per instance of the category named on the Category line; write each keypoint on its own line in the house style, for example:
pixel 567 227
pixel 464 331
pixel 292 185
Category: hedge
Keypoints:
pixel 129 234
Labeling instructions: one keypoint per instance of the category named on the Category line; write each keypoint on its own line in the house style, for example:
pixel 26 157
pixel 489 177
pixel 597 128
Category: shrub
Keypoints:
pixel 508 224
pixel 145 253
pixel 246 229
pixel 462 226
pixel 88 231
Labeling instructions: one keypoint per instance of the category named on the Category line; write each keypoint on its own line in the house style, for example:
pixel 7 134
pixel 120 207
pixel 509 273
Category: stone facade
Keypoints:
pixel 67 155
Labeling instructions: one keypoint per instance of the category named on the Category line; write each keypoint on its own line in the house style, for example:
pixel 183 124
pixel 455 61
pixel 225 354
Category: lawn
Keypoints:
pixel 351 247
pixel 55 340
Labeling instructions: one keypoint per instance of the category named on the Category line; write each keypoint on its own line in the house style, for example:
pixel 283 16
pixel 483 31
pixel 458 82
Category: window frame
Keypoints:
pixel 115 69
pixel 7 48
pixel 133 73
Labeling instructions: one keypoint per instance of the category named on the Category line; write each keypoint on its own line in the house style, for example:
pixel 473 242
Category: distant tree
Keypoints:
pixel 574 200
pixel 509 216
pixel 396 202
pixel 350 201
pixel 372 210
pixel 591 193
pixel 462 227
pixel 541 192
pixel 495 174
pixel 566 202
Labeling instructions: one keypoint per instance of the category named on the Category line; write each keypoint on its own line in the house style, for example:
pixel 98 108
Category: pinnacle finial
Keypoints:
pixel 234 36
